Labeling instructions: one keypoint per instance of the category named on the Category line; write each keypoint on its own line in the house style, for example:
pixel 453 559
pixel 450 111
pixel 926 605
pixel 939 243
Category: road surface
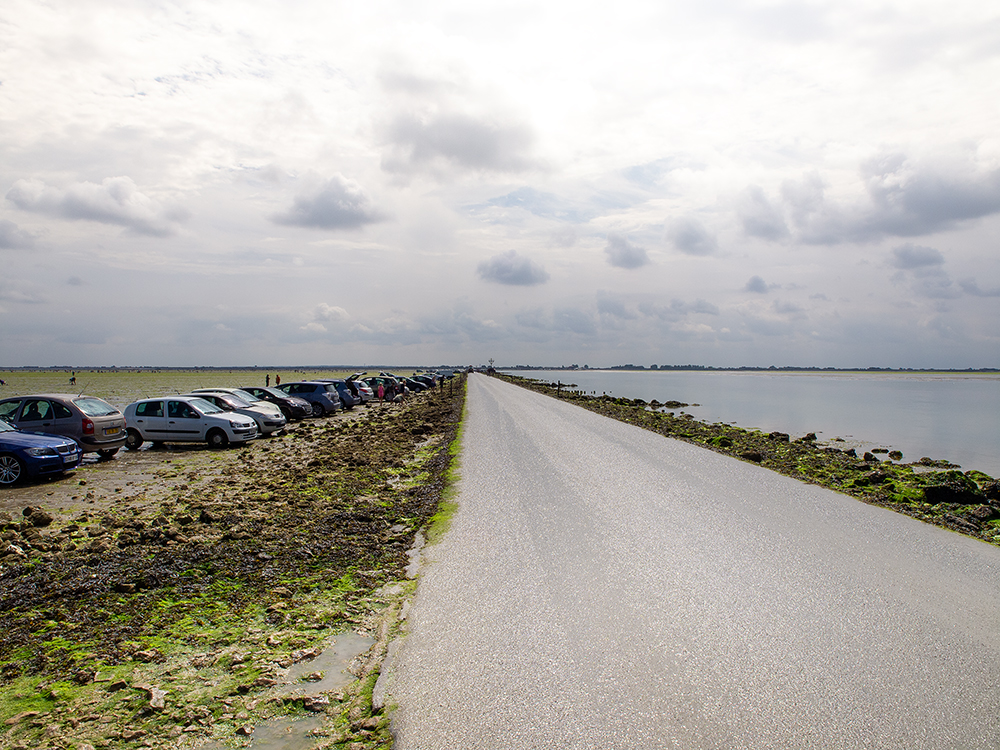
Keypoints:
pixel 605 587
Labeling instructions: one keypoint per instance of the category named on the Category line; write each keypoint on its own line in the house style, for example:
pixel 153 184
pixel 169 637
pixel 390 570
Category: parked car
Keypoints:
pixel 322 396
pixel 28 454
pixel 414 385
pixel 93 423
pixel 365 393
pixel 268 417
pixel 348 392
pixel 402 387
pixel 292 407
pixel 185 419
pixel 427 380
pixel 393 389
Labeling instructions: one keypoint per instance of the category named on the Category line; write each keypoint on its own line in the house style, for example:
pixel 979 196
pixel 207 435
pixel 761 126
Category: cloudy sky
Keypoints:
pixel 728 182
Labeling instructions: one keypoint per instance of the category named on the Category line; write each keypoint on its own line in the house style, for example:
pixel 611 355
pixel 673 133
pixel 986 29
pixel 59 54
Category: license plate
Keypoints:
pixel 112 430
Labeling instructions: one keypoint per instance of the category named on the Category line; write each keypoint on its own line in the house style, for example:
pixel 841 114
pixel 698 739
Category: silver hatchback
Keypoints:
pixel 93 423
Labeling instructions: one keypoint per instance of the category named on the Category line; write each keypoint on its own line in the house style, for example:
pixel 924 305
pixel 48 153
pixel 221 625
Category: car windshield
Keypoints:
pixel 248 397
pixel 205 407
pixel 94 407
pixel 275 392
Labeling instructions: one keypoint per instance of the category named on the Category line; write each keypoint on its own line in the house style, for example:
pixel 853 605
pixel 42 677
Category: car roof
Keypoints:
pixel 174 396
pixel 67 396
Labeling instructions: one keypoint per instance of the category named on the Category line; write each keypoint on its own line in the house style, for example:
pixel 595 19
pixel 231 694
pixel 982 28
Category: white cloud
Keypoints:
pixel 12 237
pixel 456 141
pixel 623 254
pixel 691 237
pixel 337 204
pixel 759 217
pixel 116 200
pixel 910 256
pixel 512 269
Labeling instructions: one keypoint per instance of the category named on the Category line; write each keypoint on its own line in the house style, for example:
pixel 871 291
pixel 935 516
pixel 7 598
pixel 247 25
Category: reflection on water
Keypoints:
pixel 948 415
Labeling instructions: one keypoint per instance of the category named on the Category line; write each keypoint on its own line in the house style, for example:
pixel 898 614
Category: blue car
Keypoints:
pixel 322 396
pixel 349 397
pixel 33 454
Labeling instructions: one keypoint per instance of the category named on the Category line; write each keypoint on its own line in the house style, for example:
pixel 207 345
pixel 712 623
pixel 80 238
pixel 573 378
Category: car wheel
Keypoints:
pixel 217 439
pixel 318 410
pixel 288 413
pixel 107 453
pixel 133 440
pixel 11 470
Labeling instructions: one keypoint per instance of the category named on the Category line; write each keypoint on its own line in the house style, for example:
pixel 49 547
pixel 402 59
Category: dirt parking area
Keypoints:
pixel 163 597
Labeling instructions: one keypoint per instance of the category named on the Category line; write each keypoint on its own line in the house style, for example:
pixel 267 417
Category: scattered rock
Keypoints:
pixel 37 516
pixel 936 494
pixel 780 437
pixel 157 697
pixel 13 720
pixel 896 455
pixel 315 702
pixel 752 456
pixel 983 512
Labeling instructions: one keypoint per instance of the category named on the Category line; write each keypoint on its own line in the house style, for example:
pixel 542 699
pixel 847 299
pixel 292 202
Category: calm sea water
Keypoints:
pixel 949 416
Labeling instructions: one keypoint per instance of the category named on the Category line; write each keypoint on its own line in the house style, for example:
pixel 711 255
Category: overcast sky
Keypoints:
pixel 724 182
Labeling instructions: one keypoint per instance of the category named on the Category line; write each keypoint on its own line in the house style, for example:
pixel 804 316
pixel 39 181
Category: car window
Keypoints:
pixel 205 407
pixel 180 410
pixel 248 397
pixel 6 426
pixel 8 408
pixel 301 388
pixel 94 407
pixel 61 410
pixel 36 411
pixel 149 409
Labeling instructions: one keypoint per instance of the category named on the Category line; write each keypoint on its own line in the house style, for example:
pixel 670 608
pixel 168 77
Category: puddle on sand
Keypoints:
pixel 286 734
pixel 294 732
pixel 333 663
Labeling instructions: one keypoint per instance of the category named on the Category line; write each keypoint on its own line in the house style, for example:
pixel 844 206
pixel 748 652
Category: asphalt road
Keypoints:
pixel 605 587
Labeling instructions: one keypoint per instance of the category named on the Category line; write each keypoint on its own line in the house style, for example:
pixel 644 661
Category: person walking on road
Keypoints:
pixel 267 380
pixel 381 392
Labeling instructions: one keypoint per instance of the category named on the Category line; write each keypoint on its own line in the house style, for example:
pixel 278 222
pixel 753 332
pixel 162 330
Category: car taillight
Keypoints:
pixel 88 427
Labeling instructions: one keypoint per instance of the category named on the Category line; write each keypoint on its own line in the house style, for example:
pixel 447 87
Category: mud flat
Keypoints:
pixel 934 491
pixel 184 597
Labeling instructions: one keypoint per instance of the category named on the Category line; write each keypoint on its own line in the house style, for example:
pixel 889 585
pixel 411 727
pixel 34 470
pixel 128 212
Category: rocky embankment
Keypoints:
pixel 164 624
pixel 931 490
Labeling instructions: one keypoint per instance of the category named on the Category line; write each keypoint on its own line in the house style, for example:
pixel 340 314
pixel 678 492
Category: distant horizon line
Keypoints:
pixel 515 368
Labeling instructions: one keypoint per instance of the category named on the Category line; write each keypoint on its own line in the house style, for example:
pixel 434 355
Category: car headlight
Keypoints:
pixel 41 452
pixel 236 425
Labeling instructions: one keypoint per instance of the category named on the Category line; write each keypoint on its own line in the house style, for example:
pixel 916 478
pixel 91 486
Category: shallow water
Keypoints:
pixel 953 416
pixel 295 732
